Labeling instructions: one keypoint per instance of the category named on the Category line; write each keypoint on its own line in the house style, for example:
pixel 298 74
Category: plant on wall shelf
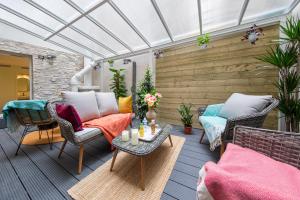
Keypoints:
pixel 111 63
pixel 285 59
pixel 203 40
pixel 118 85
pixel 145 87
pixel 185 112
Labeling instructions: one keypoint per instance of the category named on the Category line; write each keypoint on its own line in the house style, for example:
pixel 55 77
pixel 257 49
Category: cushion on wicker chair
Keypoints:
pixel 69 113
pixel 86 133
pixel 238 105
pixel 84 102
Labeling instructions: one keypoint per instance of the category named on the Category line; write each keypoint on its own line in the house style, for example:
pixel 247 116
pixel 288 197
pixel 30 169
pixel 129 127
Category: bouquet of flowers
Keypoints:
pixel 152 100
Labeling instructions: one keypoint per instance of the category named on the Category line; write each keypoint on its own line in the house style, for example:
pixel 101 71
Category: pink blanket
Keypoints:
pixel 245 174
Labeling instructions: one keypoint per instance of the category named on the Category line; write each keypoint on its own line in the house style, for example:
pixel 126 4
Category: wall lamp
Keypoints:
pixel 48 57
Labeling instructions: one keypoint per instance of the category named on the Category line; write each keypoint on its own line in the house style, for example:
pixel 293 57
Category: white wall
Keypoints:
pixel 102 77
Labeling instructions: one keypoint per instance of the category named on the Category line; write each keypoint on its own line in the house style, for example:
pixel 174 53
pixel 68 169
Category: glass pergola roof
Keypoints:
pixel 101 29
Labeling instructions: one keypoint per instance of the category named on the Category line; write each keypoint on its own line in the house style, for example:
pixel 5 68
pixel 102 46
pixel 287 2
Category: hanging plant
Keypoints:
pixel 111 63
pixel 203 40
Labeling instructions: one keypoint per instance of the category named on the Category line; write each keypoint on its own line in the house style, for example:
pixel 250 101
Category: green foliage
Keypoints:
pixel 203 39
pixel 285 59
pixel 145 86
pixel 186 114
pixel 291 30
pixel 118 83
pixel 281 58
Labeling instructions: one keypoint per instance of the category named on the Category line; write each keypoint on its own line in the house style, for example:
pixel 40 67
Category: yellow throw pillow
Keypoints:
pixel 125 104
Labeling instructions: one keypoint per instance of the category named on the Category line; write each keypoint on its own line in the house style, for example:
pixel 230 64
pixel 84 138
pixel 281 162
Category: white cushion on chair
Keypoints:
pixel 86 134
pixel 107 103
pixel 85 104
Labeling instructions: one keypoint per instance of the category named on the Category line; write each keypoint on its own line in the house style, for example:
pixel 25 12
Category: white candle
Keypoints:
pixel 134 136
pixel 125 135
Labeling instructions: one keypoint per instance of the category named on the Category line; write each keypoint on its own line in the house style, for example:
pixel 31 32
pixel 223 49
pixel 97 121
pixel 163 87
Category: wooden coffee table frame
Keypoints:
pixel 142 163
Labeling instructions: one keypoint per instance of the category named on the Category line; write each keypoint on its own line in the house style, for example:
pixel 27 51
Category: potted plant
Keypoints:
pixel 118 85
pixel 203 40
pixel 186 117
pixel 111 63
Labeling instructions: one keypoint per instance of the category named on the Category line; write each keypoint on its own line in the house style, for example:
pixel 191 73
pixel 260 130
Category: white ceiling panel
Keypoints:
pixel 218 14
pixel 22 23
pixel 181 17
pixel 98 34
pixel 143 15
pixel 107 16
pixel 258 9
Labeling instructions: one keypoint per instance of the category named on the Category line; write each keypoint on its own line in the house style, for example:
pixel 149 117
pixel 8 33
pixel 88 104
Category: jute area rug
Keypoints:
pixel 33 138
pixel 123 181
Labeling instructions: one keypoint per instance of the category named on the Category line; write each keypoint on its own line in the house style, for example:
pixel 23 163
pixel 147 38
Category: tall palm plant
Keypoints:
pixel 286 60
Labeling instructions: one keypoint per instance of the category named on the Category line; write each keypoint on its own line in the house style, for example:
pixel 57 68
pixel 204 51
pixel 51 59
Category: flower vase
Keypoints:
pixel 151 114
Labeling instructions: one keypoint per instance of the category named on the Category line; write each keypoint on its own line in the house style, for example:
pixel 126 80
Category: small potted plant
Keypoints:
pixel 203 40
pixel 111 63
pixel 186 117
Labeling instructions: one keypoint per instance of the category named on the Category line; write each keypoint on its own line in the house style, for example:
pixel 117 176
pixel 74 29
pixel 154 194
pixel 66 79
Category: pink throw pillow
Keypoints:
pixel 69 113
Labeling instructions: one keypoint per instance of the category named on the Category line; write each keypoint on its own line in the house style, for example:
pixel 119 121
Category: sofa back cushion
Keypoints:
pixel 107 103
pixel 238 105
pixel 125 104
pixel 69 113
pixel 84 102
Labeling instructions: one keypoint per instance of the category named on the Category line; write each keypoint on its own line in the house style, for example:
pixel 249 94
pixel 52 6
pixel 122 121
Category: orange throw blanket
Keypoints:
pixel 110 125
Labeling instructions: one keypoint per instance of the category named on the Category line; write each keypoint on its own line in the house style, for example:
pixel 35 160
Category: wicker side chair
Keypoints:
pixel 256 121
pixel 281 146
pixel 30 118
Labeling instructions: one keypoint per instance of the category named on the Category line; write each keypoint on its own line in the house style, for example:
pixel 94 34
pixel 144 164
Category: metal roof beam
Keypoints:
pixel 161 17
pixel 292 6
pixel 47 28
pixel 115 7
pixel 77 18
pixel 93 20
pixel 41 37
pixel 42 9
pixel 244 8
pixel 200 16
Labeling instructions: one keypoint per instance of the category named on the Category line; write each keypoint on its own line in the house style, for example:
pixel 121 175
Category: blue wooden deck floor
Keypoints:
pixel 37 173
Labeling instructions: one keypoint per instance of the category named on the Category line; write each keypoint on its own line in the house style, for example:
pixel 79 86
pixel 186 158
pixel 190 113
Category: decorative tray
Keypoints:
pixel 148 136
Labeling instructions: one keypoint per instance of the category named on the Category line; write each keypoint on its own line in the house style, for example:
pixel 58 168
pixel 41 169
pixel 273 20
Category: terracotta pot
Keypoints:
pixel 188 129
pixel 151 114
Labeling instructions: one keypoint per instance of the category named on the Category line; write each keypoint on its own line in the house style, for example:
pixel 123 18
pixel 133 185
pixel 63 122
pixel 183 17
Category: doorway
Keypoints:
pixel 15 83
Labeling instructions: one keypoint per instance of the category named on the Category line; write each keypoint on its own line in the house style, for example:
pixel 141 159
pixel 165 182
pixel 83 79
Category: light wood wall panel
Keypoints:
pixel 198 76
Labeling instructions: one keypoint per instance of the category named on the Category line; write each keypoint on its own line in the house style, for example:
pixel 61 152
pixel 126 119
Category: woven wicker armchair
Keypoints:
pixel 256 121
pixel 76 138
pixel 281 146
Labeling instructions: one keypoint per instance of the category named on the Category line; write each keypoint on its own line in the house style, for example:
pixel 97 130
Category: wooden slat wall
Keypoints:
pixel 190 74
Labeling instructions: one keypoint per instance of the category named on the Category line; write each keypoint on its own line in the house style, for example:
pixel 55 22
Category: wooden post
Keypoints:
pixel 171 140
pixel 142 173
pixel 62 148
pixel 80 158
pixel 114 159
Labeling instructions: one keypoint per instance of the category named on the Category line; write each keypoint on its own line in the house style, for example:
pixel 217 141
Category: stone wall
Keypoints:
pixel 48 78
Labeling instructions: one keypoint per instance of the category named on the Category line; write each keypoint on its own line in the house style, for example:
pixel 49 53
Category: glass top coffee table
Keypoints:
pixel 142 149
